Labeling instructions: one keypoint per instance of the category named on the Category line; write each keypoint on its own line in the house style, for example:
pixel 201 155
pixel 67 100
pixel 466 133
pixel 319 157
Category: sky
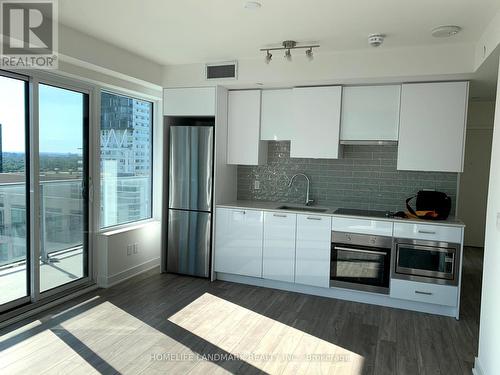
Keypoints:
pixel 61 118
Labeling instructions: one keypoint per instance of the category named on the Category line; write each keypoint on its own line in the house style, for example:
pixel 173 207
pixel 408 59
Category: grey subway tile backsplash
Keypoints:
pixel 365 177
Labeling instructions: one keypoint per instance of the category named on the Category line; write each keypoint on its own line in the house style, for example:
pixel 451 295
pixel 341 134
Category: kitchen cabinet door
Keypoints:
pixel 279 246
pixel 312 254
pixel 316 122
pixel 370 113
pixel 432 126
pixel 244 146
pixel 276 115
pixel 195 101
pixel 238 241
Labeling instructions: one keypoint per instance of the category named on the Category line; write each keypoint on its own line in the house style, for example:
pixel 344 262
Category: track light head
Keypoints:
pixel 269 57
pixel 309 54
pixel 288 55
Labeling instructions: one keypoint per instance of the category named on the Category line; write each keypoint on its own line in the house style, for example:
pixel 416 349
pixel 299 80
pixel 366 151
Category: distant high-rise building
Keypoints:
pixel 126 134
pixel 126 131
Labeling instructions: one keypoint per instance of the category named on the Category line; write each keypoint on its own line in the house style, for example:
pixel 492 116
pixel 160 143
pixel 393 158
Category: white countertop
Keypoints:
pixel 273 206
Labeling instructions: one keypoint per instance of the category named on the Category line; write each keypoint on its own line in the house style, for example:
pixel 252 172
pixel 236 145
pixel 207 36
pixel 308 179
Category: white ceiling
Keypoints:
pixel 190 31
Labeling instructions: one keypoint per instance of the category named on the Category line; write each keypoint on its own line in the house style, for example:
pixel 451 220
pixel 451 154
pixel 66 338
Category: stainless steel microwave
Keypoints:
pixel 426 261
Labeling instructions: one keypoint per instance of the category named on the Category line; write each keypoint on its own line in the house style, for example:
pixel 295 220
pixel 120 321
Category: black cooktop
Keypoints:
pixel 369 213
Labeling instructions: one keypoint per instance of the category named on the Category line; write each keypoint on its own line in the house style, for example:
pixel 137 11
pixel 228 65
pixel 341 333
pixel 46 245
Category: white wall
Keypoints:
pixel 488 360
pixel 473 191
pixel 488 41
pixel 79 48
pixel 114 265
pixel 367 65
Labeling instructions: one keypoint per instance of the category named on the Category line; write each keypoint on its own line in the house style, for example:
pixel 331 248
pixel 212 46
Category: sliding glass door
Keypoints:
pixel 63 176
pixel 44 180
pixel 14 173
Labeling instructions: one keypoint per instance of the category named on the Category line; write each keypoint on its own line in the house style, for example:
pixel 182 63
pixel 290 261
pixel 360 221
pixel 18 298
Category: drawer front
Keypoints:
pixel 428 232
pixel 423 292
pixel 362 226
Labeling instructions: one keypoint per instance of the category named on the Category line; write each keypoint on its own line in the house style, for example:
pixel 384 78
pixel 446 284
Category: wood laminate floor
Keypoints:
pixel 167 324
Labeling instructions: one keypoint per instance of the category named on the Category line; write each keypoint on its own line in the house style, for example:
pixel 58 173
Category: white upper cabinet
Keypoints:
pixel 244 146
pixel 370 113
pixel 276 115
pixel 196 101
pixel 432 126
pixel 316 122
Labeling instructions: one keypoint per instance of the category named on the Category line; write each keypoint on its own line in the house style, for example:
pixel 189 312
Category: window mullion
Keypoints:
pixel 34 192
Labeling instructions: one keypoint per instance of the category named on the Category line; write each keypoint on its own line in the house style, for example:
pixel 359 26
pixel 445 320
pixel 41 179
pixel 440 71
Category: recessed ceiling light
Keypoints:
pixel 445 31
pixel 252 5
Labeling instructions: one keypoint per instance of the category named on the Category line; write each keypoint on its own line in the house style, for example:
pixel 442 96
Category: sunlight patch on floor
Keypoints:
pixel 266 344
pixel 106 338
pixel 104 331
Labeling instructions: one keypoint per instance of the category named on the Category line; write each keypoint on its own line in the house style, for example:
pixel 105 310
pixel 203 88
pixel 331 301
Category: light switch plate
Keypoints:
pixel 498 220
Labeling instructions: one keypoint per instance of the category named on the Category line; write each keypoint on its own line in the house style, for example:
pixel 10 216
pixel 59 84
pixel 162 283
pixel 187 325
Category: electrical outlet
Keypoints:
pixel 129 250
pixel 136 248
pixel 256 184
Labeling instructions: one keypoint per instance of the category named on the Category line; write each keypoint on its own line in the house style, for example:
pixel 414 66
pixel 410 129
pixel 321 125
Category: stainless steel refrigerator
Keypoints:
pixel 190 199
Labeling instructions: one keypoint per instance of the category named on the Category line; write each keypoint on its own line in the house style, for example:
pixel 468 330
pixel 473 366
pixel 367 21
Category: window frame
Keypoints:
pixel 151 216
pixel 27 181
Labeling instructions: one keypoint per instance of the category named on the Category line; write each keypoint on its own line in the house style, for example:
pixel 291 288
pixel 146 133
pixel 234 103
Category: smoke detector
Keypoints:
pixel 445 31
pixel 376 40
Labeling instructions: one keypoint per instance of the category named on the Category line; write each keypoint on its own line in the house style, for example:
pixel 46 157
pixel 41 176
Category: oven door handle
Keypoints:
pixel 359 250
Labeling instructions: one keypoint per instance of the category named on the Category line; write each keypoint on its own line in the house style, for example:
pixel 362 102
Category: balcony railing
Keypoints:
pixel 61 214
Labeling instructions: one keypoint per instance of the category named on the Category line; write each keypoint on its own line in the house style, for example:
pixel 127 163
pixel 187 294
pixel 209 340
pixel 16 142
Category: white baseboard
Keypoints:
pixel 344 294
pixel 477 370
pixel 104 281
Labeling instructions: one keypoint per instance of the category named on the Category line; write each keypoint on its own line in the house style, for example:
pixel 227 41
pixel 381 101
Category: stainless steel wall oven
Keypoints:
pixel 361 262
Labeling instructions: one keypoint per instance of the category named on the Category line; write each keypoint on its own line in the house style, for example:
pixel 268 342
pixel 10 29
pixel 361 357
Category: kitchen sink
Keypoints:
pixel 302 208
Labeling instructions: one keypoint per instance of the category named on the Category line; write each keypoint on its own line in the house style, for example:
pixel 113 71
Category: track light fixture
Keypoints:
pixel 288 45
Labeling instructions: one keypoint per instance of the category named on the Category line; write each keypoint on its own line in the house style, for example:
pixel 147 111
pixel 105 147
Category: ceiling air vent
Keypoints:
pixel 225 70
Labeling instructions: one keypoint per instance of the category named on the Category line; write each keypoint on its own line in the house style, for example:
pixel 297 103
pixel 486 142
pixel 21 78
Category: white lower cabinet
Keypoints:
pixel 278 260
pixel 238 241
pixel 312 253
pixel 423 292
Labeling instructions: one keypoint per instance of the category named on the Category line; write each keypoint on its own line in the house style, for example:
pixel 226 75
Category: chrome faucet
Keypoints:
pixel 308 200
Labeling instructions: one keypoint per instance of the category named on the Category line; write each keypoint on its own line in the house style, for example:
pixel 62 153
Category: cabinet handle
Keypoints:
pixel 280 215
pixel 313 218
pixel 426 232
pixel 241 212
pixel 424 293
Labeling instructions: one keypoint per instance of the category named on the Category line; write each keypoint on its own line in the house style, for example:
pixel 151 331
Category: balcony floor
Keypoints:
pixel 62 269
